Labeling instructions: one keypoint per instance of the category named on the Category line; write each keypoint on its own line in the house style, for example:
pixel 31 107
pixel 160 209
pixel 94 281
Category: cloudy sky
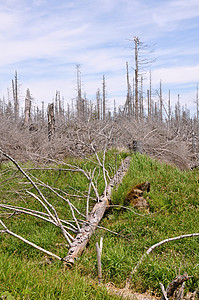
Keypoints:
pixel 44 40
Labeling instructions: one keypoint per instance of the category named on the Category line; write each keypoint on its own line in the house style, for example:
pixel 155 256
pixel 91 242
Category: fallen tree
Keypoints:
pixel 92 219
pixel 95 216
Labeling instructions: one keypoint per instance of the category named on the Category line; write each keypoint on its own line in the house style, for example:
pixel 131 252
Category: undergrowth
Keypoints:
pixel 173 211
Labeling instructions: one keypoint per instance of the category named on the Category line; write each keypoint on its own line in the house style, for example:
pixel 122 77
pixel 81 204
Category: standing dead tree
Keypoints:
pixel 27 108
pixel 51 121
pixel 15 96
pixel 104 98
pixel 128 105
pixel 136 40
pixel 141 60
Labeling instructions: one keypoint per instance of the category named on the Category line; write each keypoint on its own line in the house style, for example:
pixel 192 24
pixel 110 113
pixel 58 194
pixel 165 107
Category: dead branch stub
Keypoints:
pixel 173 286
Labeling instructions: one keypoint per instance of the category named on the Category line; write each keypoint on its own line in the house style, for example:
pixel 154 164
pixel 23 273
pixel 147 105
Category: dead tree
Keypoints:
pixel 129 94
pixel 95 216
pixel 80 100
pixel 197 104
pixel 136 40
pixel 169 112
pixel 141 100
pixel 141 61
pixel 57 96
pixel 104 97
pixel 27 108
pixel 150 100
pixel 98 105
pixel 161 104
pixel 15 96
pixel 51 121
pixel 42 113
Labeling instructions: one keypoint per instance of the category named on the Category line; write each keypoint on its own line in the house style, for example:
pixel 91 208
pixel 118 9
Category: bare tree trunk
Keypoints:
pixel 197 104
pixel 15 97
pixel 42 112
pixel 136 40
pixel 104 98
pixel 161 104
pixel 150 101
pixel 133 99
pixel 27 108
pixel 169 112
pixel 79 95
pixel 129 94
pixel 51 121
pixel 141 100
pixel 177 110
pixel 156 112
pixel 98 104
pixel 56 105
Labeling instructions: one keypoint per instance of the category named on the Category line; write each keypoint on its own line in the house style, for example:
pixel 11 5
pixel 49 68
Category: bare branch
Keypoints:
pixel 28 242
pixel 159 244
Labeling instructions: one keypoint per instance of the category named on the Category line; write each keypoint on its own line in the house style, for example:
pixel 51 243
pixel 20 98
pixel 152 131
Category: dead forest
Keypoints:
pixel 147 120
pixel 151 124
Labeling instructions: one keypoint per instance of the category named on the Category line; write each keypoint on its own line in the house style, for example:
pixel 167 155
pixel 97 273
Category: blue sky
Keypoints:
pixel 45 39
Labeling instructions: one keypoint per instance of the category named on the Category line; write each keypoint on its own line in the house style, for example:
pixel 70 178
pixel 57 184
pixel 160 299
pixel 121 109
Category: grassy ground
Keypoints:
pixel 173 201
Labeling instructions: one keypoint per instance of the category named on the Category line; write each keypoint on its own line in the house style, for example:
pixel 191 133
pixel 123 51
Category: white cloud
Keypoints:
pixel 175 11
pixel 176 75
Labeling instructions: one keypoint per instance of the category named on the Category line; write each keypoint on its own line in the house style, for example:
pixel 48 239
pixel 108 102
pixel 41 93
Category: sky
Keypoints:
pixel 44 40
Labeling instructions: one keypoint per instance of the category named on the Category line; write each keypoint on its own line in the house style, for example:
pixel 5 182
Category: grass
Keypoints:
pixel 174 211
pixel 28 279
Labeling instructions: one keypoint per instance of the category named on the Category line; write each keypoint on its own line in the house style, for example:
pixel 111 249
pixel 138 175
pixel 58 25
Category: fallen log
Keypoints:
pixel 95 216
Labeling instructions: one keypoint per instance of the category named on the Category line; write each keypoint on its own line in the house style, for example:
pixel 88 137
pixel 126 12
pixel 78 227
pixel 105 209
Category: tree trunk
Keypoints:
pixel 27 108
pixel 51 121
pixel 104 98
pixel 136 40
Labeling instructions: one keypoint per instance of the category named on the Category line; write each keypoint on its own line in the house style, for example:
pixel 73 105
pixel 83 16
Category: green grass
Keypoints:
pixel 29 279
pixel 174 210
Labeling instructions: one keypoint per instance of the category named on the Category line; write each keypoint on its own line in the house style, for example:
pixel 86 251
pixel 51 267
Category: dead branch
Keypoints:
pixel 88 196
pixel 163 291
pixel 159 244
pixel 39 214
pixel 6 230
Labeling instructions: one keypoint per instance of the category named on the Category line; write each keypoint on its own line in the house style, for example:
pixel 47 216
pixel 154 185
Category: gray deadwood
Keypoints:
pixel 95 216
pixel 172 287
